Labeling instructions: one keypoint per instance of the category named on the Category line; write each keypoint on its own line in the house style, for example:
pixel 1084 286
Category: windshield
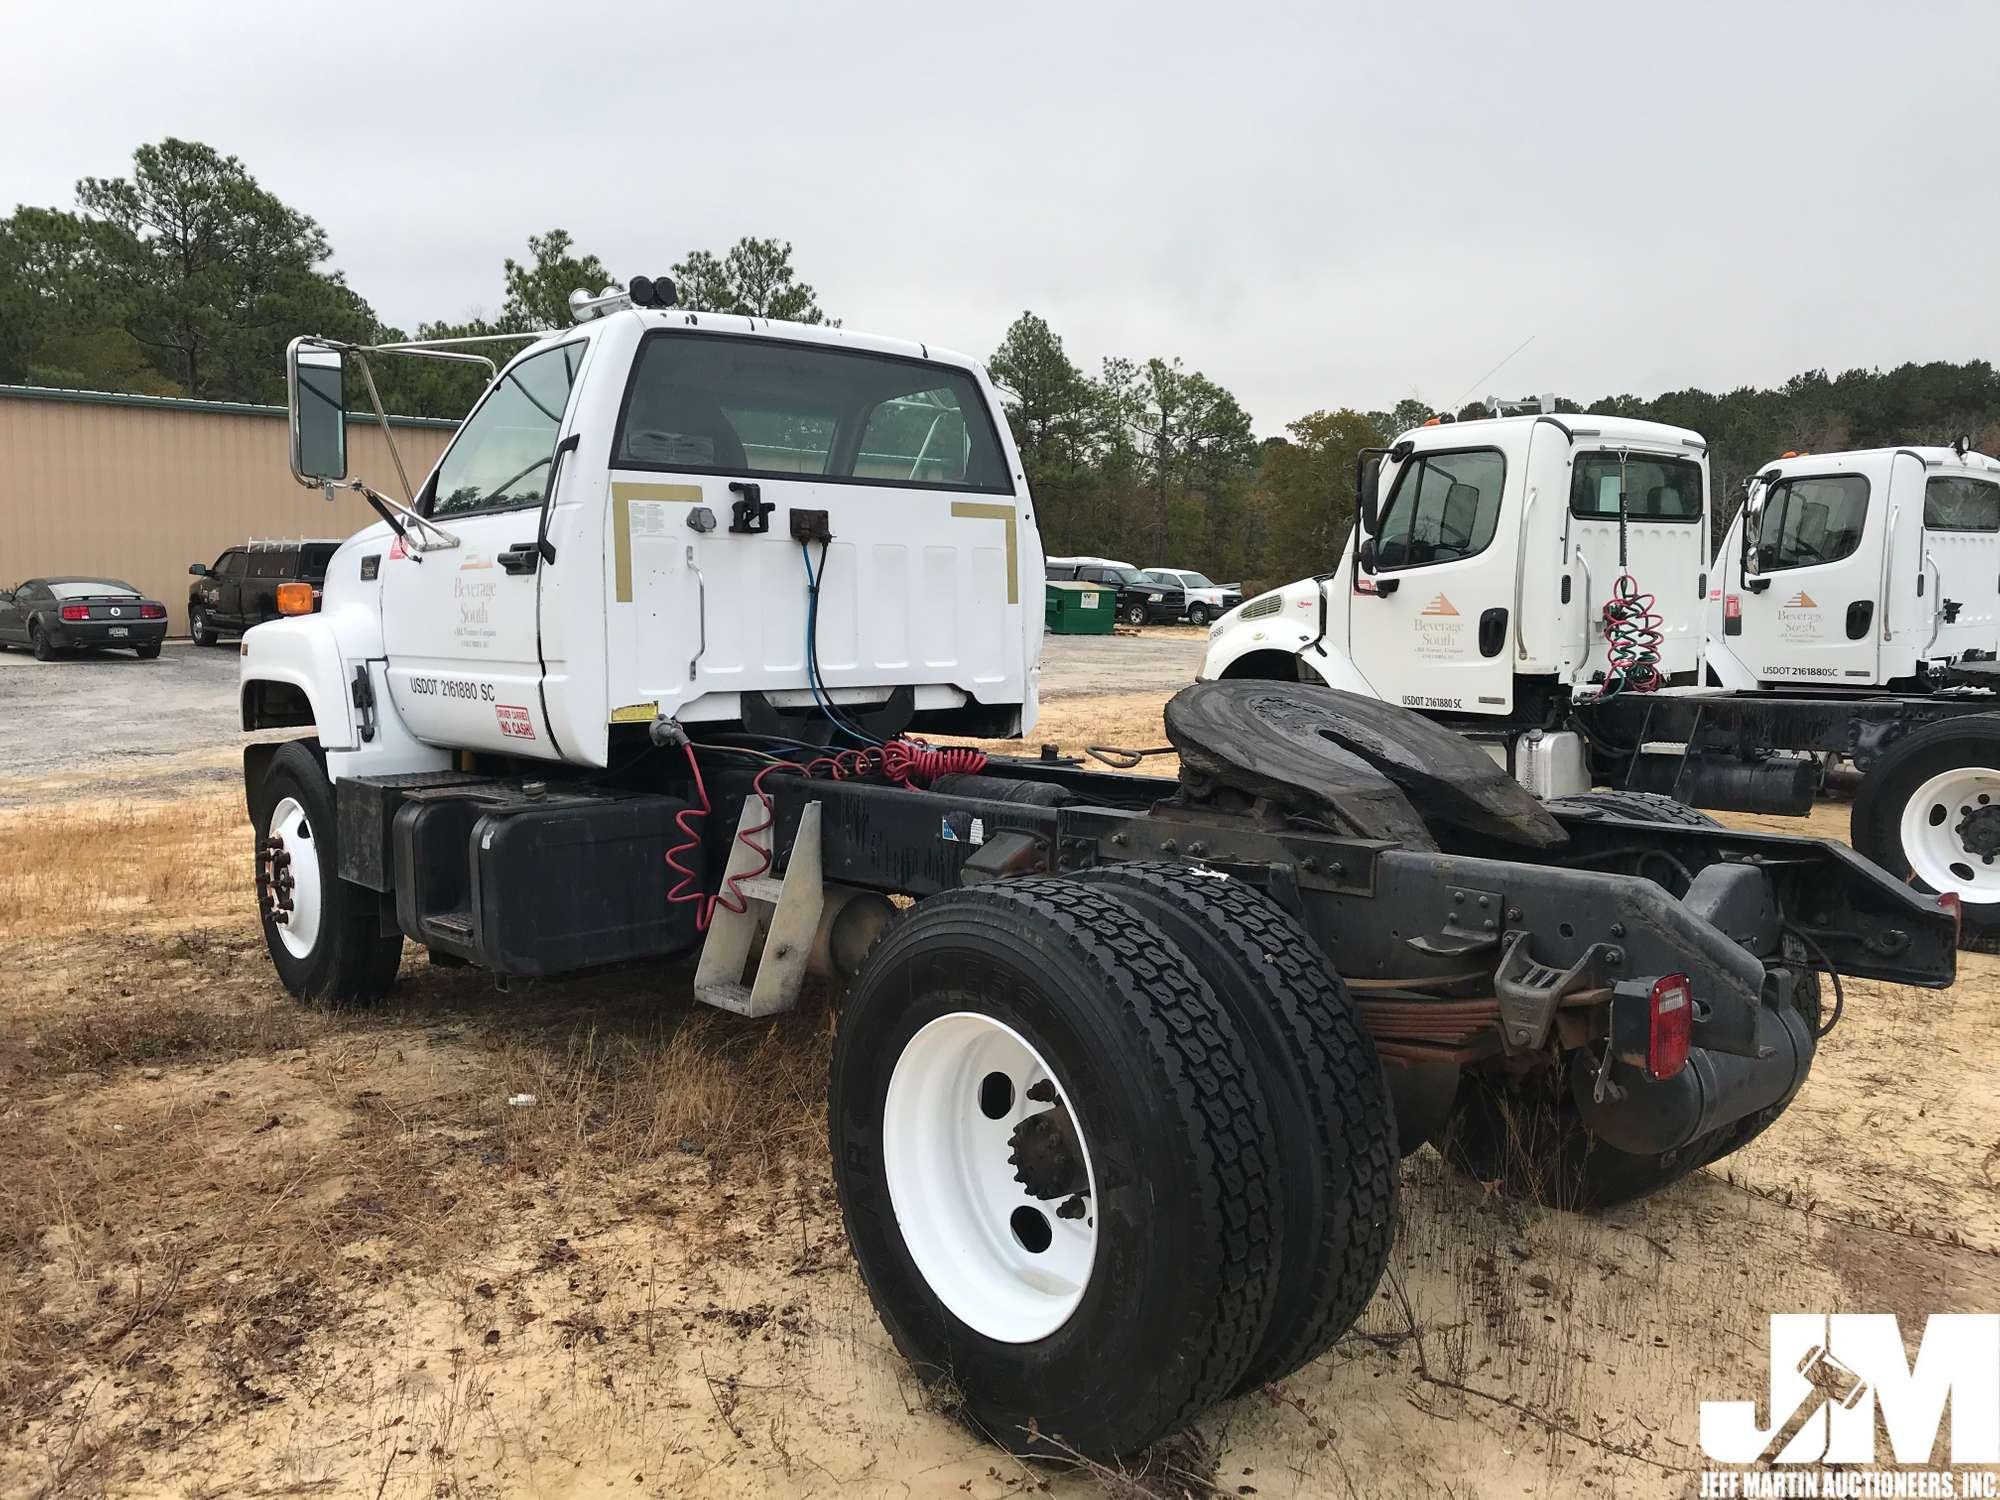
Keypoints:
pixel 1196 581
pixel 720 404
pixel 91 588
pixel 1656 489
pixel 1161 575
pixel 1810 520
pixel 1131 577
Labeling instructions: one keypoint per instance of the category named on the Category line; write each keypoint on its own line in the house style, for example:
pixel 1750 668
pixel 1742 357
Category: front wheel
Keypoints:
pixel 1928 812
pixel 1197 614
pixel 1055 1166
pixel 1135 614
pixel 203 633
pixel 323 933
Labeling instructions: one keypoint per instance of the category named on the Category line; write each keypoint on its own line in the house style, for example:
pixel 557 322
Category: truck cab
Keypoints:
pixel 660 514
pixel 1476 581
pixel 1859 570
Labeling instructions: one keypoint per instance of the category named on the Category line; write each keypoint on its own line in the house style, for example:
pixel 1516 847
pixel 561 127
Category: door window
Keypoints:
pixel 1813 520
pixel 1656 489
pixel 500 458
pixel 1444 507
pixel 1955 502
pixel 238 562
pixel 714 404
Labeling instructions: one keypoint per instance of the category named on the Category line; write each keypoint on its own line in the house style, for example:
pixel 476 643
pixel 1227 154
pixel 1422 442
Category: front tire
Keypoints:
pixel 1135 614
pixel 1197 614
pixel 1928 812
pixel 199 629
pixel 323 933
pixel 1055 1165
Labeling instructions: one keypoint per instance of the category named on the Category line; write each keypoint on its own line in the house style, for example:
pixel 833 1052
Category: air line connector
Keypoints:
pixel 667 733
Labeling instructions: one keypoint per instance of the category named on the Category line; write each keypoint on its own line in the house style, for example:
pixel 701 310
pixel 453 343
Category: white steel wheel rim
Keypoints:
pixel 1931 840
pixel 961 1210
pixel 292 831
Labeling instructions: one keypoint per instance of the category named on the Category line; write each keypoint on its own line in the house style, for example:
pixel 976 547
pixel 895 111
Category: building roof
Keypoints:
pixel 184 403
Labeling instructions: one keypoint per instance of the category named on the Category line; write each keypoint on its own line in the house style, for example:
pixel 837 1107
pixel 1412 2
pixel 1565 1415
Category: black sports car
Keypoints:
pixel 49 615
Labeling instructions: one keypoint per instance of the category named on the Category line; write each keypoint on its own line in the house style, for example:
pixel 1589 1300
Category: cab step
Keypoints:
pixel 778 924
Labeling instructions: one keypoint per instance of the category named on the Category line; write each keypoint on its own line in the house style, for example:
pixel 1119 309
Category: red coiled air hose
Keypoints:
pixel 1632 638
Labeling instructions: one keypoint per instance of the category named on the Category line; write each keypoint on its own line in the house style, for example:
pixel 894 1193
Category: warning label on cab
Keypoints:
pixel 515 721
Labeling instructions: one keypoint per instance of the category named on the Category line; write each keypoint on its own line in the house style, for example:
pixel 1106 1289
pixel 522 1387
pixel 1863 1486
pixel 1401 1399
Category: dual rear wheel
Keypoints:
pixel 1109 1149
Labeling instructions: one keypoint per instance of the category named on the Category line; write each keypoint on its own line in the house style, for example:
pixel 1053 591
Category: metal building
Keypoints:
pixel 138 487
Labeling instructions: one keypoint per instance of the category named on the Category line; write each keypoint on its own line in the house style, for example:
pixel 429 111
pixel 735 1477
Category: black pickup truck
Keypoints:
pixel 240 588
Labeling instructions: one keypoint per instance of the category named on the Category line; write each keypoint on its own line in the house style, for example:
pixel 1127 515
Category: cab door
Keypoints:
pixel 1962 555
pixel 1815 605
pixel 460 625
pixel 1430 625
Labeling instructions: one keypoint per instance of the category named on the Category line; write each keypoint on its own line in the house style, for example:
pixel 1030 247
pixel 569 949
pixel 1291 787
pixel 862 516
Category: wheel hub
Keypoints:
pixel 288 887
pixel 1978 830
pixel 1950 833
pixel 978 1138
pixel 1047 1157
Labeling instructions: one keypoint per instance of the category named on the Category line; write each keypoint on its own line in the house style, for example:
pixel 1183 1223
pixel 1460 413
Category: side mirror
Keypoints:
pixel 198 570
pixel 1366 554
pixel 317 410
pixel 1368 489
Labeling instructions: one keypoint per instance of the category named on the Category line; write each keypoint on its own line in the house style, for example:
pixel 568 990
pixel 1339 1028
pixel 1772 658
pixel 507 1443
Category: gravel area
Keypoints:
pixel 150 724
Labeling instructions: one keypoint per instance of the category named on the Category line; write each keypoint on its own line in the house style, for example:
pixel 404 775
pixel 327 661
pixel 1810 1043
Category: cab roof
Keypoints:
pixel 1933 457
pixel 1580 426
pixel 740 324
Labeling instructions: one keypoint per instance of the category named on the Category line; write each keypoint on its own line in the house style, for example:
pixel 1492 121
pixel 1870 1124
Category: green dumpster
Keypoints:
pixel 1072 608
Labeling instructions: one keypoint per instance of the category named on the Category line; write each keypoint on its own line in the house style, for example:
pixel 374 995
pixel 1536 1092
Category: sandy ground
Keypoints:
pixel 248 1249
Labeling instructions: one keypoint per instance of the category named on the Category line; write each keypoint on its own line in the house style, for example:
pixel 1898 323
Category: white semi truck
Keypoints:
pixel 1543 584
pixel 636 672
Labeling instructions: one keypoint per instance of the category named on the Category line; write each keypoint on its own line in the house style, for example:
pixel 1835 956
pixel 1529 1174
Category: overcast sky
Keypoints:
pixel 1316 205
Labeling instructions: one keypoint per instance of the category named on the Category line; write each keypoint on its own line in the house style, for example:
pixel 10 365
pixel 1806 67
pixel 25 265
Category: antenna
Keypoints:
pixel 1492 372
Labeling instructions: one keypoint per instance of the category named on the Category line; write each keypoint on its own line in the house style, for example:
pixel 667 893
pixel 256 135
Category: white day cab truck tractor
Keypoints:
pixel 1542 585
pixel 1123 1066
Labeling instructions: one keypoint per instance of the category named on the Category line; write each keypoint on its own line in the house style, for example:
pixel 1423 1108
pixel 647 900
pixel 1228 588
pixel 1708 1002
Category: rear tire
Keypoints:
pixel 40 642
pixel 1322 1081
pixel 966 1005
pixel 330 948
pixel 148 652
pixel 1928 812
pixel 1649 807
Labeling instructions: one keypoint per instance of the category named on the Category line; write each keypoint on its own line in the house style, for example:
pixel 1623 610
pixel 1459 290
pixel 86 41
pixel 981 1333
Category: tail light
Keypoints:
pixel 152 611
pixel 1670 1025
pixel 76 611
pixel 295 598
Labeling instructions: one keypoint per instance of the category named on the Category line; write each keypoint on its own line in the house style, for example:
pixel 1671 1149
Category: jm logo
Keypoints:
pixel 1831 1376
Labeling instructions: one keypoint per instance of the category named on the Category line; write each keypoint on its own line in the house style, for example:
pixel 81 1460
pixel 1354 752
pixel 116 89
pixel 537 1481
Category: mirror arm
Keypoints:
pixel 419 533
pixel 388 434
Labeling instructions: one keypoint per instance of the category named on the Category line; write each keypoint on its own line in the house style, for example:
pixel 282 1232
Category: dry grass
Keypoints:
pixel 246 1247
pixel 78 864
